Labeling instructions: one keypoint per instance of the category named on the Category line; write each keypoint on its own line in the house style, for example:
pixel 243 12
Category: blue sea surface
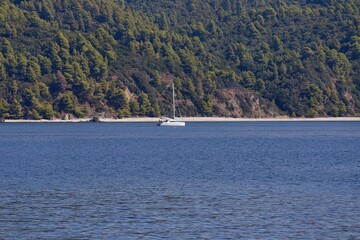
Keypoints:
pixel 245 180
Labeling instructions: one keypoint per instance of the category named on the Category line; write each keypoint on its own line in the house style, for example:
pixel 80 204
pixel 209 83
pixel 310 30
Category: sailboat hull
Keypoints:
pixel 171 124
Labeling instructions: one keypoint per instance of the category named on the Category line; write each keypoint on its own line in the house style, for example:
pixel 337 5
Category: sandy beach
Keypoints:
pixel 193 119
pixel 224 119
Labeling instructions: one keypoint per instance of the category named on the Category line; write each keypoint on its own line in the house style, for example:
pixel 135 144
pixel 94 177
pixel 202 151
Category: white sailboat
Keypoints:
pixel 171 122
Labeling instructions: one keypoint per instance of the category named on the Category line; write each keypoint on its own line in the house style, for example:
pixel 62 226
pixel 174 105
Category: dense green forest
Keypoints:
pixel 239 58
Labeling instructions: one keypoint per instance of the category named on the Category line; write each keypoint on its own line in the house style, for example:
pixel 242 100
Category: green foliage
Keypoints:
pixel 62 41
pixel 145 105
pixel 4 108
pixel 134 107
pixel 207 104
pixel 16 111
pixel 68 103
pixel 156 112
pixel 118 57
pixel 120 101
pixel 312 97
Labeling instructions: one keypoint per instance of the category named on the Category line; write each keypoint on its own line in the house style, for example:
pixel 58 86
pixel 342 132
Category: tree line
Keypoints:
pixel 226 57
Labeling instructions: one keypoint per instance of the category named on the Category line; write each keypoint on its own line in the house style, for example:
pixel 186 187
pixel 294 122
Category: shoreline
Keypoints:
pixel 191 119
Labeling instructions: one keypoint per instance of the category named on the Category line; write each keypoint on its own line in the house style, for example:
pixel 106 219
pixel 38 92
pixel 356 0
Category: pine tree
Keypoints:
pixel 62 41
pixel 4 108
pixel 3 75
pixel 145 105
pixel 16 110
pixel 156 110
pixel 134 107
pixel 10 60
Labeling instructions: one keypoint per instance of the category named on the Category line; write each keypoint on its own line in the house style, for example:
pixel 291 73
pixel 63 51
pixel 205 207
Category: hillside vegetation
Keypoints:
pixel 235 58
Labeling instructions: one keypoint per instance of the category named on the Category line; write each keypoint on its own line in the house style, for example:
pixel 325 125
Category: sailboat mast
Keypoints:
pixel 173 88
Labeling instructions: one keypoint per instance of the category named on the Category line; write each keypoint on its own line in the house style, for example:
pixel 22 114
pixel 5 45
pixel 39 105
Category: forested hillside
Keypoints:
pixel 116 58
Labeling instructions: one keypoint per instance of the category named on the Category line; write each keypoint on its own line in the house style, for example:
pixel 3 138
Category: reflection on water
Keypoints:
pixel 207 181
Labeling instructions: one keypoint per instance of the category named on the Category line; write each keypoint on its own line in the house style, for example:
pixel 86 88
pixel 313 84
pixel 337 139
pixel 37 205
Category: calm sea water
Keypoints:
pixel 204 181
